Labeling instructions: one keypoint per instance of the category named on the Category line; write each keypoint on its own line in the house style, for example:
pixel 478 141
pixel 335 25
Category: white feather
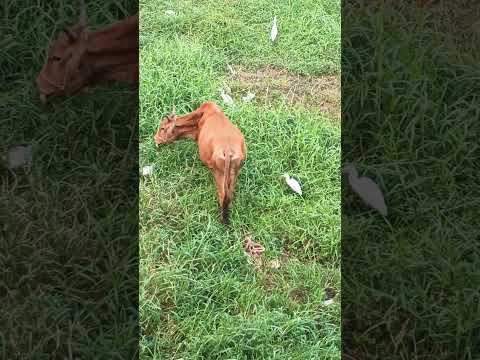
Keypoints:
pixel 328 302
pixel 293 184
pixel 19 156
pixel 367 189
pixel 230 68
pixel 250 96
pixel 274 31
pixel 169 12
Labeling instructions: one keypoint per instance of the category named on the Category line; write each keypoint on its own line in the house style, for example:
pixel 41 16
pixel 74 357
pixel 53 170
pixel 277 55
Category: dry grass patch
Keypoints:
pixel 270 84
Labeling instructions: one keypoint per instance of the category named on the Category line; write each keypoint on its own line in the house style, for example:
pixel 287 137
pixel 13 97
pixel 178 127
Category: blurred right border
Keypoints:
pixel 410 123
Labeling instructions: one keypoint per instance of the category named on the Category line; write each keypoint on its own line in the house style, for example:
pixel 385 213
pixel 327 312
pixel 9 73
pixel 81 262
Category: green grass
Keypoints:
pixel 411 107
pixel 308 39
pixel 68 284
pixel 200 297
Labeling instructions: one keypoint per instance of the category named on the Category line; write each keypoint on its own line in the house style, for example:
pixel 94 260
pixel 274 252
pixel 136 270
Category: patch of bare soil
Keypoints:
pixel 271 84
pixel 300 294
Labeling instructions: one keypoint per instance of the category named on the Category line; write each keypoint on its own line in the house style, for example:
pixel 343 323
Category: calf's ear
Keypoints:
pixel 173 116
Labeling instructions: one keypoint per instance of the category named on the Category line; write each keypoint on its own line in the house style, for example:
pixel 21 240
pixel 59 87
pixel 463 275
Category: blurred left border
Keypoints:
pixel 69 179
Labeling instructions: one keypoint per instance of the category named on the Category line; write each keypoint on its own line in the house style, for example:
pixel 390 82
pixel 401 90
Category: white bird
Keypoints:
pixel 292 183
pixel 274 31
pixel 367 189
pixel 227 99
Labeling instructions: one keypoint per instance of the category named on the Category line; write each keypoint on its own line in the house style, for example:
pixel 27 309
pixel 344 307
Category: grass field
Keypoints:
pixel 410 102
pixel 200 296
pixel 69 271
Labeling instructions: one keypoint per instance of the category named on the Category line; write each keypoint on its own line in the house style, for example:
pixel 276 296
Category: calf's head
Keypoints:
pixel 166 132
pixel 65 71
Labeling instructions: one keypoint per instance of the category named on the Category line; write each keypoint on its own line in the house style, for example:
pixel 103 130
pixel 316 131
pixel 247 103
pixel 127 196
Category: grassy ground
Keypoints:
pixel 200 297
pixel 66 226
pixel 410 287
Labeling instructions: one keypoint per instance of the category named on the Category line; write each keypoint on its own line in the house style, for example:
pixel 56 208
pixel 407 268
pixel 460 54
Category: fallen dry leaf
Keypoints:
pixel 275 264
pixel 252 247
pixel 255 250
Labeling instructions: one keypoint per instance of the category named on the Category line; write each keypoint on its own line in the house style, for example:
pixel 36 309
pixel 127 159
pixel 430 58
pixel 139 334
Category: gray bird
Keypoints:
pixel 366 188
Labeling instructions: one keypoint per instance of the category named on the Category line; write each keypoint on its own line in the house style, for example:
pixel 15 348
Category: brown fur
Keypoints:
pixel 221 146
pixel 79 57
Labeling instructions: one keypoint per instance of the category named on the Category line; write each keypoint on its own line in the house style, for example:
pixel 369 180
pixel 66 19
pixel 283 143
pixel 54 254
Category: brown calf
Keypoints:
pixel 220 143
pixel 80 57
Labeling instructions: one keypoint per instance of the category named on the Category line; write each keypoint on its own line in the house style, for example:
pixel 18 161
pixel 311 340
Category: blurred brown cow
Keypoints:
pixel 80 57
